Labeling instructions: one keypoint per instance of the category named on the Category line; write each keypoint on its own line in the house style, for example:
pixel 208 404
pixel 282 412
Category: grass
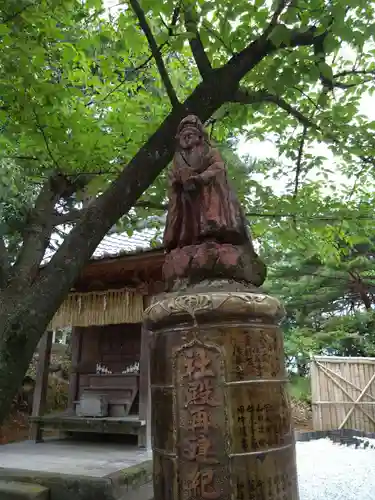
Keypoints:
pixel 300 388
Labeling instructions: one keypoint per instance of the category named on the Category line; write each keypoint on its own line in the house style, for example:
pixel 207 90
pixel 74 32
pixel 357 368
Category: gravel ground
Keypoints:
pixel 333 471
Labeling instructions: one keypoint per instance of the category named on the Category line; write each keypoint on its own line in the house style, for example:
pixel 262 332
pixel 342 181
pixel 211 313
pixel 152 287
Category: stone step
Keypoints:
pixel 12 490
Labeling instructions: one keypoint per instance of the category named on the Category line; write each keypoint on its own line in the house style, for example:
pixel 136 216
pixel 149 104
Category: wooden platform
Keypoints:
pixel 69 422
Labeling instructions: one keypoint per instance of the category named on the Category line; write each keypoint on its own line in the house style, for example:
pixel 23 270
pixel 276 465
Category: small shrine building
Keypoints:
pixel 109 390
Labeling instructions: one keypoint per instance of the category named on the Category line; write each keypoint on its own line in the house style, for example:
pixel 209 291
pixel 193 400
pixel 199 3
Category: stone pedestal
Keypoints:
pixel 211 260
pixel 221 418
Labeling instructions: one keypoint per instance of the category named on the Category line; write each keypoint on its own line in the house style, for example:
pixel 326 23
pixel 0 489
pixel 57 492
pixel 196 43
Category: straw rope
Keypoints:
pixel 99 308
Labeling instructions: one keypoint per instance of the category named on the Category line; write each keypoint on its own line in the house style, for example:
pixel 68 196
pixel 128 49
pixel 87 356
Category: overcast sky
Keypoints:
pixel 268 149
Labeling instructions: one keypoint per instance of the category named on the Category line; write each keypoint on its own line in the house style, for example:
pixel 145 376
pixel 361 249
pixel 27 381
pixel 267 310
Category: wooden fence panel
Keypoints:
pixel 343 393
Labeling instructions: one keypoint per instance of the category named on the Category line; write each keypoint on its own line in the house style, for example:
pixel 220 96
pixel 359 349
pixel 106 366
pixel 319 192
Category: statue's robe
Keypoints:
pixel 210 211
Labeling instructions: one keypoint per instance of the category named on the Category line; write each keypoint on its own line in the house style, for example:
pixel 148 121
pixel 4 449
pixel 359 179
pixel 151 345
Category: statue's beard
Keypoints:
pixel 194 156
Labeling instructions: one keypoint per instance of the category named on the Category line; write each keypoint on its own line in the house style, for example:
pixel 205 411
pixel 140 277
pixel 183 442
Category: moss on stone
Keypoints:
pixel 14 489
pixel 134 476
pixel 69 487
pixel 64 487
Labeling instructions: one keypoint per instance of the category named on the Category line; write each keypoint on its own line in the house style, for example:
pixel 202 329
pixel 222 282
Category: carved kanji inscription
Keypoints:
pixel 200 407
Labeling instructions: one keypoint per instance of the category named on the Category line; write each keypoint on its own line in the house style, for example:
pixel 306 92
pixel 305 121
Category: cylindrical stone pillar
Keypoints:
pixel 221 417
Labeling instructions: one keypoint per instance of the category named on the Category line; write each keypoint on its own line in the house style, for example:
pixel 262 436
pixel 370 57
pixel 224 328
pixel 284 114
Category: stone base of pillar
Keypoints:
pixel 221 417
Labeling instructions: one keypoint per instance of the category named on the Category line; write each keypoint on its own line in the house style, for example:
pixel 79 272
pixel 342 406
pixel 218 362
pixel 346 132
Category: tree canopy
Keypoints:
pixel 83 87
pixel 325 276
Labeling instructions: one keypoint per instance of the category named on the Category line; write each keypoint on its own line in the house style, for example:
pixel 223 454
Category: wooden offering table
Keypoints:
pixel 119 389
pixel 69 422
pixel 124 396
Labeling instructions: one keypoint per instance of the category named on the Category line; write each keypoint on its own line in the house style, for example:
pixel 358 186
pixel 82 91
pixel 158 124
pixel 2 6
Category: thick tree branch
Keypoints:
pixel 157 152
pixel 36 234
pixel 244 61
pixel 196 45
pixel 275 17
pixel 70 217
pixel 361 289
pixel 38 230
pixel 155 51
pixel 246 97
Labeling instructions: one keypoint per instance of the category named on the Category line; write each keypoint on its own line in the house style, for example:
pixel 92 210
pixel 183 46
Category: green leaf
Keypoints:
pixel 330 43
pixel 96 4
pixel 69 52
pixel 4 29
pixel 280 35
pixel 326 70
pixel 323 100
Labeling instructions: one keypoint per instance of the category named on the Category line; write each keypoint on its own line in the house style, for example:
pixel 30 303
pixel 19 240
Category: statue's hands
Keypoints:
pixel 190 185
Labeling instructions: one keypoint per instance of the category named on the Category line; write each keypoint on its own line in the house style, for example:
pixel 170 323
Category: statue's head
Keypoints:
pixel 190 132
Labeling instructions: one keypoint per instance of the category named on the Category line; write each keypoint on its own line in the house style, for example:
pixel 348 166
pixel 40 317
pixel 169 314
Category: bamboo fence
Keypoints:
pixel 343 393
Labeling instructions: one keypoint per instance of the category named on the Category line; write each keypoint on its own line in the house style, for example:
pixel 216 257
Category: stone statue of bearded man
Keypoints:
pixel 206 234
pixel 202 205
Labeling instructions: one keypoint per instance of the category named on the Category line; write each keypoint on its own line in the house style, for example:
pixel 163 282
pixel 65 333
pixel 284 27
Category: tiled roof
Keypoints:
pixel 120 243
pixel 116 244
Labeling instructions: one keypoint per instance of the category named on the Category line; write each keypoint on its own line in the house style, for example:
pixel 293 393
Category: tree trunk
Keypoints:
pixel 21 327
pixel 361 289
pixel 16 350
pixel 302 367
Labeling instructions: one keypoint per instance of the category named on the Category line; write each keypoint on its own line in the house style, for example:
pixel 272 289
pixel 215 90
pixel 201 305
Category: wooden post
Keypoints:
pixel 144 389
pixel 41 385
pixel 149 403
pixel 76 344
pixel 315 396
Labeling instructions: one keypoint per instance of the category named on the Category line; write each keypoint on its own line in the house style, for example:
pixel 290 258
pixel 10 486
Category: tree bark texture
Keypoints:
pixel 20 332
